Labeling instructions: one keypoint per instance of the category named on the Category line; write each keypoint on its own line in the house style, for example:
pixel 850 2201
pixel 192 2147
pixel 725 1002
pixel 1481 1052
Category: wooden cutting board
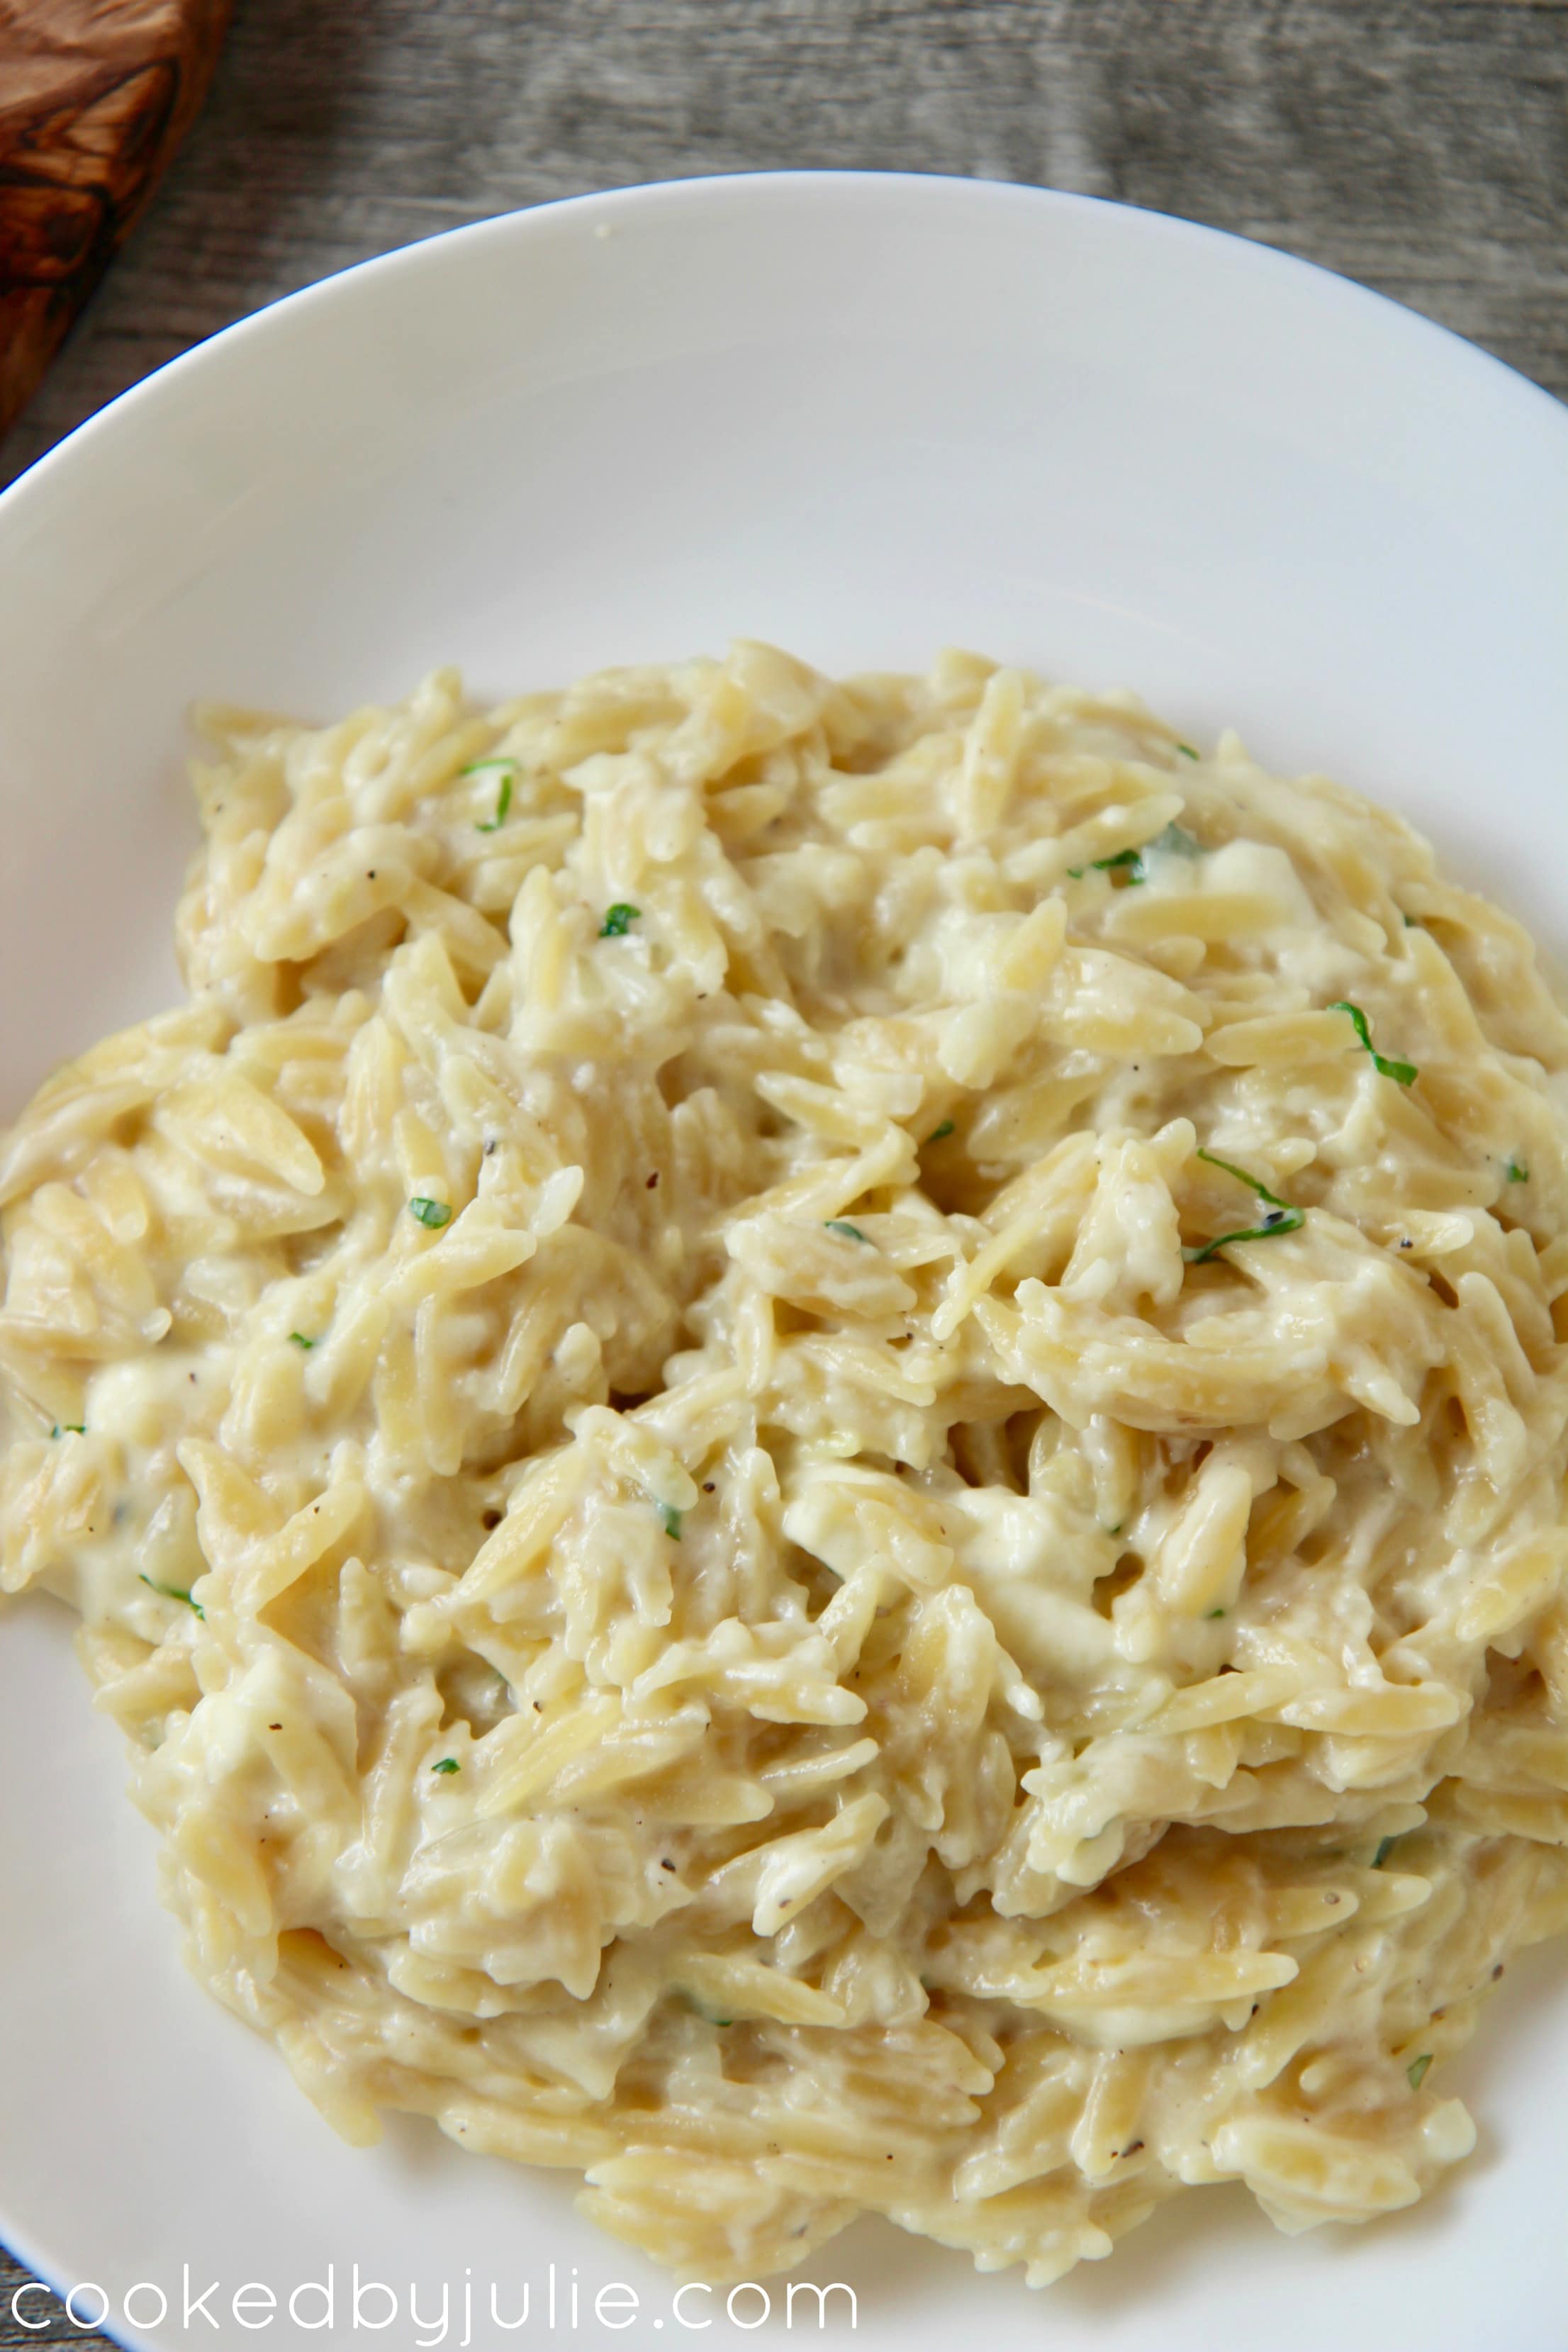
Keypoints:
pixel 95 97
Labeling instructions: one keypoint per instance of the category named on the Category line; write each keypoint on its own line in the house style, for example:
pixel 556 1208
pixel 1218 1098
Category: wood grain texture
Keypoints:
pixel 95 97
pixel 1418 145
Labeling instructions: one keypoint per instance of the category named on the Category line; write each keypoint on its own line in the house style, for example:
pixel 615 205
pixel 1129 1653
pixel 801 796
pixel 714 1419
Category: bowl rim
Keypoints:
pixel 26 501
pixel 597 206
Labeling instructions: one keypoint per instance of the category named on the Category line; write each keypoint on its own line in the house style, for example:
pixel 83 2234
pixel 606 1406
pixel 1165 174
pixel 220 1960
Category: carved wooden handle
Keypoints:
pixel 95 97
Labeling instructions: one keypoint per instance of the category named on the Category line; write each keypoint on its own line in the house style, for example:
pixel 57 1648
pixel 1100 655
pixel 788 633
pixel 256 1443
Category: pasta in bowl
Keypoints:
pixel 815 1435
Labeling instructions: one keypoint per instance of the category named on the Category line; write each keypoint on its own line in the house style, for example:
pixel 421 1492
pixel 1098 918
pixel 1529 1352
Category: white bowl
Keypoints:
pixel 864 416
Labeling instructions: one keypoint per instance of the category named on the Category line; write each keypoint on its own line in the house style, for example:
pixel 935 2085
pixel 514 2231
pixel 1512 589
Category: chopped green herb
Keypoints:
pixel 1177 842
pixel 669 1519
pixel 1386 1846
pixel 1416 2070
pixel 1253 1183
pixel 68 1429
pixel 1174 842
pixel 447 1764
pixel 1216 1612
pixel 1116 1530
pixel 616 920
pixel 434 1214
pixel 937 1133
pixel 1517 1172
pixel 842 1225
pixel 1278 1221
pixel 1412 922
pixel 1186 750
pixel 503 798
pixel 1404 1074
pixel 299 1340
pixel 496 759
pixel 1077 871
pixel 173 1592
pixel 1282 1217
pixel 708 2016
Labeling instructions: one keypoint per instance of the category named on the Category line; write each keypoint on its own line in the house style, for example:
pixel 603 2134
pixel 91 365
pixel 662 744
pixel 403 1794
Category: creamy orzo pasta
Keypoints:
pixel 815 1433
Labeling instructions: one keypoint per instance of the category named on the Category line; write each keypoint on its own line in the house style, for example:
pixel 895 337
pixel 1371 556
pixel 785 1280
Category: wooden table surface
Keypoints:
pixel 1418 145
